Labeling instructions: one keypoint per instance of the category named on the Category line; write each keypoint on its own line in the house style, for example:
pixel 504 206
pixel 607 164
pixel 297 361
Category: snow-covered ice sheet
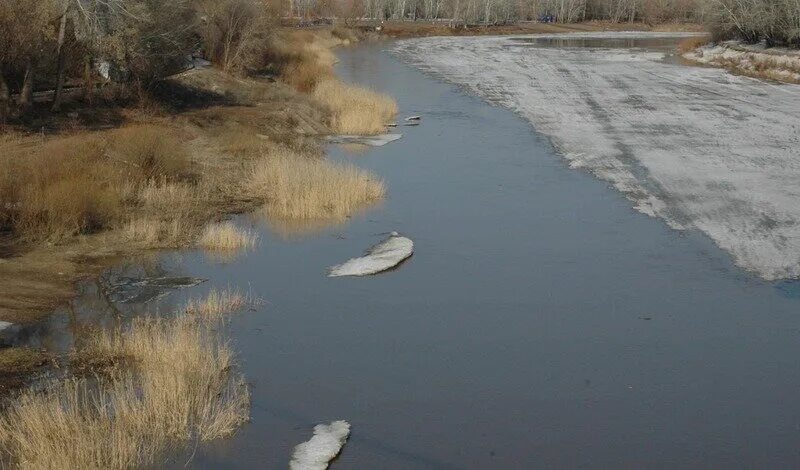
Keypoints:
pixel 695 146
pixel 324 446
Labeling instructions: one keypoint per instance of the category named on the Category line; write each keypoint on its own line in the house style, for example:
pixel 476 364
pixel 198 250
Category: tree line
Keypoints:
pixel 44 43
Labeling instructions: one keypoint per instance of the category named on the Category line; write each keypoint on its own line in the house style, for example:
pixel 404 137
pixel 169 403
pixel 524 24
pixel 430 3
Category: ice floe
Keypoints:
pixel 385 255
pixel 324 446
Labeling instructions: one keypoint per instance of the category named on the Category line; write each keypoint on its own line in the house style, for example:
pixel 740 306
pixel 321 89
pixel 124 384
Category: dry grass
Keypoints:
pixel 219 303
pixel 150 152
pixel 355 110
pixel 16 363
pixel 303 58
pixel 148 233
pixel 162 197
pixel 692 43
pixel 777 64
pixel 66 186
pixel 296 187
pixel 305 61
pixel 227 236
pixel 175 382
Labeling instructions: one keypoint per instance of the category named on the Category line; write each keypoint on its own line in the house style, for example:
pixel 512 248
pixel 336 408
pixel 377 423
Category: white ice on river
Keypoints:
pixel 695 146
pixel 381 257
pixel 324 446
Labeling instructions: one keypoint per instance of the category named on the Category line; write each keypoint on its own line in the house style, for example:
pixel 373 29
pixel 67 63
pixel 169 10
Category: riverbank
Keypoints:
pixel 753 60
pixel 110 182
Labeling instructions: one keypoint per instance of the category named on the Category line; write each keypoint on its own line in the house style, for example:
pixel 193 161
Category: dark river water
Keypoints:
pixel 541 322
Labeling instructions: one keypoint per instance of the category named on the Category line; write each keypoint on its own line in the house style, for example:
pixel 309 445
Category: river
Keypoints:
pixel 542 321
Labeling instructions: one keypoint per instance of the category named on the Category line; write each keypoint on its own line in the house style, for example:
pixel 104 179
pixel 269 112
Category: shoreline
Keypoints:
pixel 224 125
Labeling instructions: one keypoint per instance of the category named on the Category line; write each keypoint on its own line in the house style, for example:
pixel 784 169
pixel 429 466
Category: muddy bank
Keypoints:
pixel 697 147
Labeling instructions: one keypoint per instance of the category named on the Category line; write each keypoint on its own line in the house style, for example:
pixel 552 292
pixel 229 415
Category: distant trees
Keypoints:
pixel 503 11
pixel 43 42
pixel 775 21
pixel 234 32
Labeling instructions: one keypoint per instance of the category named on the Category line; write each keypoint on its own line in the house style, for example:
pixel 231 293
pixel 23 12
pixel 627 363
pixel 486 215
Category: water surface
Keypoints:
pixel 542 322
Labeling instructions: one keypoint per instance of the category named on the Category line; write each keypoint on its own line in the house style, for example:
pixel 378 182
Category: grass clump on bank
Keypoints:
pixel 227 237
pixel 172 381
pixel 305 61
pixel 297 187
pixel 355 110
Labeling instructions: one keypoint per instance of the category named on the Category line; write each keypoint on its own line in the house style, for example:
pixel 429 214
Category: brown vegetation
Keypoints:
pixel 304 60
pixel 355 110
pixel 227 237
pixel 167 383
pixel 219 303
pixel 16 363
pixel 297 187
pixel 690 44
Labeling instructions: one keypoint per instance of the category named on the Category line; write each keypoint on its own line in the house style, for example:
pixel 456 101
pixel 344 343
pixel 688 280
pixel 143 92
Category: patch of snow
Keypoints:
pixel 385 255
pixel 4 325
pixel 324 446
pixel 372 140
pixel 696 146
pixel 779 62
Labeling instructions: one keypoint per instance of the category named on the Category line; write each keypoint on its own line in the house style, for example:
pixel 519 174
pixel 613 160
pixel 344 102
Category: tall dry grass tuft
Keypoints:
pixel 297 187
pixel 176 382
pixel 219 303
pixel 355 110
pixel 227 236
pixel 152 232
pixel 692 43
pixel 149 152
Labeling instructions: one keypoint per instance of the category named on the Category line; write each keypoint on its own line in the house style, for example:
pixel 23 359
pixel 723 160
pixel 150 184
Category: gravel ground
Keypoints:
pixel 696 146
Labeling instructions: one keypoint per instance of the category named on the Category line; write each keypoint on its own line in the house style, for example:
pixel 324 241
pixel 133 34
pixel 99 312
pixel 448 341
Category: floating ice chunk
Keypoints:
pixel 385 255
pixel 372 140
pixel 324 446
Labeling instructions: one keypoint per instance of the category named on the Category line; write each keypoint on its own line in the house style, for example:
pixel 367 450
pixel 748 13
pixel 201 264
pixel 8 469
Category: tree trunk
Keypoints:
pixel 26 93
pixel 62 27
pixel 88 81
pixel 5 99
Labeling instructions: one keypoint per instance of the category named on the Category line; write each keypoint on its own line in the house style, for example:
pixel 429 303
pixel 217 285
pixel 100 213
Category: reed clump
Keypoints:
pixel 294 186
pixel 173 381
pixel 219 303
pixel 227 237
pixel 355 110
